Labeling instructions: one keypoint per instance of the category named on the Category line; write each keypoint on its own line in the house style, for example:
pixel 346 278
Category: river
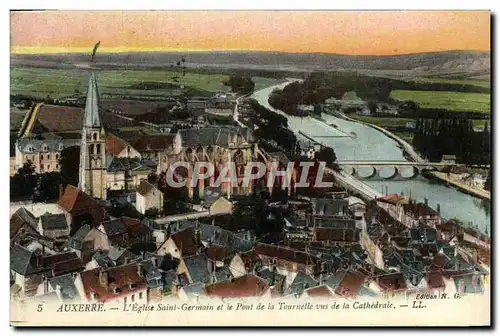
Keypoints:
pixel 370 144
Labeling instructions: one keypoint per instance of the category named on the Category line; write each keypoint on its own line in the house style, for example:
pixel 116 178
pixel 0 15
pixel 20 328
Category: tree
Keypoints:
pixel 47 187
pixel 24 181
pixel 326 154
pixel 487 183
pixel 69 161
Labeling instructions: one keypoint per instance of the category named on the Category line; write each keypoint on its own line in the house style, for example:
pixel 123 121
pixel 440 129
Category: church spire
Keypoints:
pixel 91 117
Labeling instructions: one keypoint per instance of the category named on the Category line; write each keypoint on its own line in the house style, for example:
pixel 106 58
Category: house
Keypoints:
pixel 417 213
pixel 53 225
pixel 449 159
pixel 125 173
pixel 23 226
pixel 43 154
pixel 335 236
pixel 148 197
pixel 121 256
pixel 122 284
pixel 244 263
pixel 181 244
pixel 330 207
pixel 154 146
pixel 322 291
pixel 245 286
pixel 81 208
pixel 125 231
pixel 216 204
pixel 29 269
pixel 86 241
pixel 286 260
pixel 196 268
pixel 63 286
pixel 297 284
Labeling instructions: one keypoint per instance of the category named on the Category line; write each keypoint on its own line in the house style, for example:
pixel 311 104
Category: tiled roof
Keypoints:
pixel 74 198
pixel 320 291
pixel 31 146
pixel 53 118
pixel 125 164
pixel 287 254
pixel 350 284
pixel 210 136
pixel 419 210
pixel 435 280
pixel 114 227
pixel 19 218
pixel 76 241
pixel 249 259
pixel 247 285
pixel 160 142
pixel 391 282
pixel 393 199
pixel 114 144
pixel 185 242
pixel 145 187
pixel 66 285
pixel 333 234
pixel 197 267
pixel 217 252
pixel 54 221
pixel 329 207
pixel 23 261
pixel 121 281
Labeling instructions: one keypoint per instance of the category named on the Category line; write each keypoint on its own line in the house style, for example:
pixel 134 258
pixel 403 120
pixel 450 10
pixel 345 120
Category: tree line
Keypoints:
pixel 436 137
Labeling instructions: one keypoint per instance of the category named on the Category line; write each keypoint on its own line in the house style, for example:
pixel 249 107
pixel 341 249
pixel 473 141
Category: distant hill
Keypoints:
pixel 468 63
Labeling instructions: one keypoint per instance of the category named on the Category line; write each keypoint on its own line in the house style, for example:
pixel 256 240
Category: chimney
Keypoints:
pixel 104 278
pixel 439 208
pixel 426 201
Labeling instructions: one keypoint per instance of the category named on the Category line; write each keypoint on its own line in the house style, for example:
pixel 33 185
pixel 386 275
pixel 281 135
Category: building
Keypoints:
pixel 43 154
pixel 80 208
pixel 53 226
pixel 93 147
pixel 124 284
pixel 117 147
pixel 125 173
pixel 86 241
pixel 450 159
pixel 148 197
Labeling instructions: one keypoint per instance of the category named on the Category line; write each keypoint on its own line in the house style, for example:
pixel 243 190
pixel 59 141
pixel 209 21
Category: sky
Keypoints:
pixel 352 33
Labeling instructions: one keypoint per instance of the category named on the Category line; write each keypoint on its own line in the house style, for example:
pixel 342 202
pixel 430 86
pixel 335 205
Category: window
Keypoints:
pixel 48 167
pixel 48 157
pixel 57 166
pixel 98 150
pixel 61 147
pixel 44 148
pixel 57 156
pixel 140 295
pixel 41 166
pixel 41 156
pixel 94 136
pixel 133 297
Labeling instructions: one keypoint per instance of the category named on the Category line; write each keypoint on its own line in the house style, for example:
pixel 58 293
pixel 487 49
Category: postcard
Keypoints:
pixel 250 168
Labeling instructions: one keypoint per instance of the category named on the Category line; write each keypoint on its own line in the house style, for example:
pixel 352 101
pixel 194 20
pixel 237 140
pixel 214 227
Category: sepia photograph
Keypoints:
pixel 250 168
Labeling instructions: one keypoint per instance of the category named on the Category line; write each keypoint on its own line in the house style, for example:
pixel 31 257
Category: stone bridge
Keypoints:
pixel 353 167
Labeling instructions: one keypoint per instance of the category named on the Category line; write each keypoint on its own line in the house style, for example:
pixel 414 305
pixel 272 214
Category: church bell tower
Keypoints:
pixel 93 147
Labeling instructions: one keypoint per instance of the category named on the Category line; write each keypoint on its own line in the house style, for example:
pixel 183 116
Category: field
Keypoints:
pixel 61 83
pixel 481 83
pixel 452 101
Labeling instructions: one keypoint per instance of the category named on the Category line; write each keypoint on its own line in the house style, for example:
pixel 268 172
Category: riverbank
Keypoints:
pixel 483 194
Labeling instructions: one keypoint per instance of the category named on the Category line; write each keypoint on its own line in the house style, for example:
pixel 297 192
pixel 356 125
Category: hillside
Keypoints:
pixel 449 64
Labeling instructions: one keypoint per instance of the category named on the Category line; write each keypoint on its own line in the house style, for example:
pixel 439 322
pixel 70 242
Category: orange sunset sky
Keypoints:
pixel 359 33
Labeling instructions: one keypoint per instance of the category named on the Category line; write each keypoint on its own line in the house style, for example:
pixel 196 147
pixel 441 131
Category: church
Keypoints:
pixel 105 165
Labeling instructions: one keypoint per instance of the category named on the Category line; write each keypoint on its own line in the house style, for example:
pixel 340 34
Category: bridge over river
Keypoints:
pixel 376 167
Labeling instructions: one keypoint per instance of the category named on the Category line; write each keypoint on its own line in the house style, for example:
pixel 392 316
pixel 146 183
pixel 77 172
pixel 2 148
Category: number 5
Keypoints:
pixel 40 308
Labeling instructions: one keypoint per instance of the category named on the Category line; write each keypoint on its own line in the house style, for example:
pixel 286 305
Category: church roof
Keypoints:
pixel 91 116
pixel 209 136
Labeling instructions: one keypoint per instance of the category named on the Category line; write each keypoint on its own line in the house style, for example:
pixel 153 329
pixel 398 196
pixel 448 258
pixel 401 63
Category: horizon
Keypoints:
pixel 356 33
pixel 111 51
